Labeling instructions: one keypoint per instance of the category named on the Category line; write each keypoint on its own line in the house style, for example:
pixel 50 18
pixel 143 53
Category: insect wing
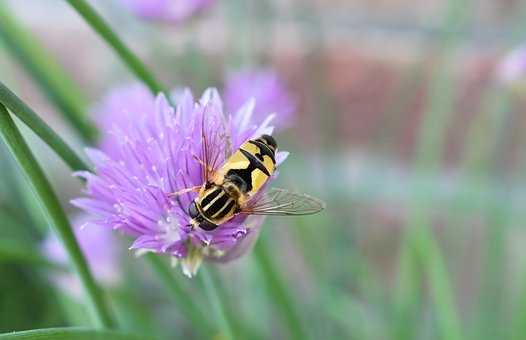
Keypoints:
pixel 214 142
pixel 280 202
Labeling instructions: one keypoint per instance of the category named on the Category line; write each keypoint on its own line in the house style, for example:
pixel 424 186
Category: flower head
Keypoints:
pixel 118 110
pixel 268 90
pixel 512 68
pixel 153 155
pixel 175 11
pixel 100 248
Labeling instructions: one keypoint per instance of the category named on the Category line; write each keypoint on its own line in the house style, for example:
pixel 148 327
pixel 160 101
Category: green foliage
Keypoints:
pixel 54 214
pixel 71 334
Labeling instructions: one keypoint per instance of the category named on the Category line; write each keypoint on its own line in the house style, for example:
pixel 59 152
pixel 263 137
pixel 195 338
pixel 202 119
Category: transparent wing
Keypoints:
pixel 283 202
pixel 215 144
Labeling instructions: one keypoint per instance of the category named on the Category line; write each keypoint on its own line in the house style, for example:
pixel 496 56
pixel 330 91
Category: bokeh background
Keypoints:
pixel 404 125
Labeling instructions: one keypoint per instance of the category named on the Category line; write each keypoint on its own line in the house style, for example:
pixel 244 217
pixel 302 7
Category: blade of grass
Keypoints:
pixel 278 291
pixel 215 299
pixel 478 157
pixel 72 333
pixel 240 329
pixel 135 65
pixel 55 83
pixel 55 215
pixel 191 310
pixel 13 250
pixel 418 241
pixel 35 123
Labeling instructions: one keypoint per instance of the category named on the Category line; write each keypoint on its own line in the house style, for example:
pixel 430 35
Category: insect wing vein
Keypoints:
pixel 283 202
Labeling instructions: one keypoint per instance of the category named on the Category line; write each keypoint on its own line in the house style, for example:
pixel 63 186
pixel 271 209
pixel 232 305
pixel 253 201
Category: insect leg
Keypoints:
pixel 185 191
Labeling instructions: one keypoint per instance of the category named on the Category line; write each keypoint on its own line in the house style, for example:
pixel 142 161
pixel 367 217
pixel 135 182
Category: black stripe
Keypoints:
pixel 209 196
pixel 226 210
pixel 216 206
pixel 264 150
pixel 254 162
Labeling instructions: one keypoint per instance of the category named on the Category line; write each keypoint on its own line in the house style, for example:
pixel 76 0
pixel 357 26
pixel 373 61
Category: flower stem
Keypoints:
pixel 130 59
pixel 56 84
pixel 217 305
pixel 420 249
pixel 282 299
pixel 191 310
pixel 72 333
pixel 35 123
pixel 55 215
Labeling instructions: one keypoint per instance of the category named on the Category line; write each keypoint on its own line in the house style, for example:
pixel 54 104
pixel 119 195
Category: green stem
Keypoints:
pixel 55 83
pixel 55 215
pixel 72 333
pixel 282 300
pixel 21 252
pixel 419 245
pixel 130 59
pixel 35 123
pixel 191 311
pixel 225 324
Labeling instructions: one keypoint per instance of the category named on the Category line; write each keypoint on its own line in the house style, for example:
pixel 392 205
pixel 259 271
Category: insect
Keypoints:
pixel 236 186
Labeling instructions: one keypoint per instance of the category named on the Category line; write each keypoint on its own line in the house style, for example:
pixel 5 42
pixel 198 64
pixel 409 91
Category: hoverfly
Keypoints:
pixel 235 187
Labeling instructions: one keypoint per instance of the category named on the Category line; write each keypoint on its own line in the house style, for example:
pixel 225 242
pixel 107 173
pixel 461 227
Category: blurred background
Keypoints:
pixel 408 123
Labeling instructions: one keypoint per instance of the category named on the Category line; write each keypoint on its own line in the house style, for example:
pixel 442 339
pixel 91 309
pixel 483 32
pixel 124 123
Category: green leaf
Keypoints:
pixel 16 251
pixel 57 85
pixel 38 126
pixel 55 215
pixel 71 334
pixel 277 289
pixel 128 57
pixel 224 323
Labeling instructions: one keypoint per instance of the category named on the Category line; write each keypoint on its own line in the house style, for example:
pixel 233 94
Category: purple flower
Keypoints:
pixel 153 154
pixel 268 90
pixel 100 248
pixel 118 110
pixel 512 68
pixel 175 11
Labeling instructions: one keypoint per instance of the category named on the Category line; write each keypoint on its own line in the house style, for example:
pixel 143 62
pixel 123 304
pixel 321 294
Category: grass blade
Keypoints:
pixel 278 291
pixel 55 215
pixel 35 123
pixel 128 57
pixel 55 83
pixel 17 251
pixel 191 310
pixel 225 325
pixel 419 244
pixel 72 333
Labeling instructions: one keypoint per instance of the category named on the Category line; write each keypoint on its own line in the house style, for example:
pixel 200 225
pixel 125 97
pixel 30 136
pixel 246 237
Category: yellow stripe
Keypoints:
pixel 252 148
pixel 223 208
pixel 258 180
pixel 221 194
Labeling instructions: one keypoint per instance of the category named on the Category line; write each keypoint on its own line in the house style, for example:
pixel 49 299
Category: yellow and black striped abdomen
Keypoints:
pixel 216 205
pixel 251 165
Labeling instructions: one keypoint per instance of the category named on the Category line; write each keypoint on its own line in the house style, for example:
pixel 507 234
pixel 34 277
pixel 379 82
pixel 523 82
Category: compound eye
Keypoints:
pixel 208 226
pixel 192 210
